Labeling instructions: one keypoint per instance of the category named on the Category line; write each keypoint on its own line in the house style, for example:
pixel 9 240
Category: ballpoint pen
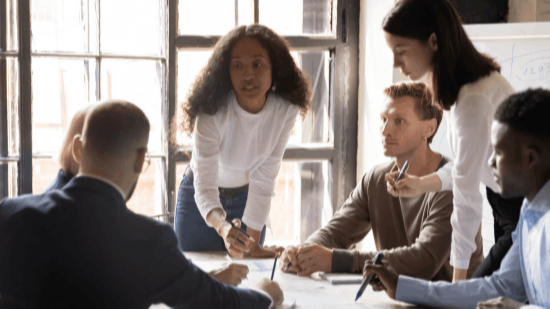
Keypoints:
pixel 402 173
pixel 377 261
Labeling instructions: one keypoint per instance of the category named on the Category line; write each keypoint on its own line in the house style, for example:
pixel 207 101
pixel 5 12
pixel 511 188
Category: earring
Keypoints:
pixel 273 88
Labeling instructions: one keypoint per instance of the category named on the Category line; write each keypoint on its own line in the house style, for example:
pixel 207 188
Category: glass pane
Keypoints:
pixel 133 27
pixel 140 82
pixel 12 72
pixel 189 65
pixel 315 126
pixel 44 172
pixel 60 25
pixel 147 197
pixel 11 25
pixel 60 88
pixel 214 17
pixel 293 17
pixel 13 179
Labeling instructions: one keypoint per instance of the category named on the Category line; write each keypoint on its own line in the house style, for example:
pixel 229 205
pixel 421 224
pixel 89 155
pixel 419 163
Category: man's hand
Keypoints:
pixel 501 302
pixel 384 280
pixel 272 289
pixel 289 256
pixel 313 258
pixel 230 235
pixel 231 273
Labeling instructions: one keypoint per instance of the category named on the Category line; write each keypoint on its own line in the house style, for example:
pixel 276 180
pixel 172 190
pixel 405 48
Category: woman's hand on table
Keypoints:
pixel 231 236
pixel 231 273
pixel 258 251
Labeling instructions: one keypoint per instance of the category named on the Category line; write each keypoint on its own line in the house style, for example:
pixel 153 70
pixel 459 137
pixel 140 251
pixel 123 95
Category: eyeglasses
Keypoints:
pixel 146 163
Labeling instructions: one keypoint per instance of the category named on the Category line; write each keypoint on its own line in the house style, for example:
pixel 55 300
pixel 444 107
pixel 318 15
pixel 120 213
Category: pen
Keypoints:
pixel 287 266
pixel 240 230
pixel 403 170
pixel 377 261
pixel 273 271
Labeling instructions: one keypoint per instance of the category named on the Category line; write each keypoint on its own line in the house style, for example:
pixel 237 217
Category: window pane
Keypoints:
pixel 189 65
pixel 60 88
pixel 293 17
pixel 210 17
pixel 147 197
pixel 315 126
pixel 11 24
pixel 133 26
pixel 12 72
pixel 13 179
pixel 140 82
pixel 44 172
pixel 60 25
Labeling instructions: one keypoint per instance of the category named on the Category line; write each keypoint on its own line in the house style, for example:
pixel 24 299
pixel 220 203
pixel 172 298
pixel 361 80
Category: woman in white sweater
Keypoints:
pixel 241 108
pixel 429 43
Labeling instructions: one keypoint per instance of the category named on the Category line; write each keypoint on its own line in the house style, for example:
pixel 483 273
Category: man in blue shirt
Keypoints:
pixel 520 136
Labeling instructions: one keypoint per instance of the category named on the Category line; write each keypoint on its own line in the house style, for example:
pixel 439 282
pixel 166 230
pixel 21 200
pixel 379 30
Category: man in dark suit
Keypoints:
pixel 81 247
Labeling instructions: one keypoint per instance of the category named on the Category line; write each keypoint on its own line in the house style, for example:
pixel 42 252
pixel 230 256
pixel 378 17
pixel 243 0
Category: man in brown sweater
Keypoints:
pixel 413 233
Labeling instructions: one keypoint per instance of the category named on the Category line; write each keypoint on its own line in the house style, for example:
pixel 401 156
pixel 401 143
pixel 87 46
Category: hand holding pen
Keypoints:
pixel 289 263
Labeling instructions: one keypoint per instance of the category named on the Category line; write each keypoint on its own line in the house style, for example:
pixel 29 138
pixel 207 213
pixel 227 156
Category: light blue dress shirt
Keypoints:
pixel 523 275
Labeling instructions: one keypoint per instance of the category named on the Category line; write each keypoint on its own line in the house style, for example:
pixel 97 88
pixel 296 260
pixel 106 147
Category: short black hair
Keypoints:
pixel 527 112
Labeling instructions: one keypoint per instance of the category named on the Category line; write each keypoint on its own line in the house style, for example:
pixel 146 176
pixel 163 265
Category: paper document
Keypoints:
pixel 342 278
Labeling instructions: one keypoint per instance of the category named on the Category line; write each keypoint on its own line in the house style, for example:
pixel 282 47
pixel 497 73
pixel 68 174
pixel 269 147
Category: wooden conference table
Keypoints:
pixel 300 292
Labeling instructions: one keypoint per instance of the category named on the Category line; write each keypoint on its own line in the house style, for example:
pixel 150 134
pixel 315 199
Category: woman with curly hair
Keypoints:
pixel 241 109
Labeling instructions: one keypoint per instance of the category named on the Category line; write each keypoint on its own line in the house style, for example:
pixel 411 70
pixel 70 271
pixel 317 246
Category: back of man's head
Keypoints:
pixel 423 103
pixel 112 131
pixel 527 113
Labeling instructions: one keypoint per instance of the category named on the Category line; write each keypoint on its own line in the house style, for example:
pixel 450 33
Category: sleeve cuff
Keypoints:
pixel 342 260
pixel 204 212
pixel 411 290
pixel 461 264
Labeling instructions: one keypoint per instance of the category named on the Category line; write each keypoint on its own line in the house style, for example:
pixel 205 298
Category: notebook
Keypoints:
pixel 342 278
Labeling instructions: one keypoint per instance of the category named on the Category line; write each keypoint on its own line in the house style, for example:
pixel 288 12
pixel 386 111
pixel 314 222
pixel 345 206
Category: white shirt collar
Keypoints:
pixel 542 199
pixel 112 184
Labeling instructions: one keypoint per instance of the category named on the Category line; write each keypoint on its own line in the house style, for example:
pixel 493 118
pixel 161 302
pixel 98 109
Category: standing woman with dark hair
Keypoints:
pixel 241 108
pixel 428 42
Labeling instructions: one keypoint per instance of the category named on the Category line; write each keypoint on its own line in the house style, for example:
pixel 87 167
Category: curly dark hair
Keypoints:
pixel 208 92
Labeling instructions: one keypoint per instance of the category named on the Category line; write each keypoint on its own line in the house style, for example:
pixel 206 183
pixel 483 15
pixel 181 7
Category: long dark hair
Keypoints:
pixel 210 88
pixel 456 61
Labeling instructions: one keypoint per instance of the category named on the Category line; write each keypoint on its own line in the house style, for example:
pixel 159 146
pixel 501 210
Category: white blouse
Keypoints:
pixel 233 148
pixel 469 136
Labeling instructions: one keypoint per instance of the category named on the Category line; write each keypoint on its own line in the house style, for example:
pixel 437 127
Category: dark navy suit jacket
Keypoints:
pixel 60 181
pixel 81 247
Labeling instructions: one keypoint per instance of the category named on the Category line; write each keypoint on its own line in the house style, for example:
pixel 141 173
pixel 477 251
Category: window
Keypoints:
pixel 59 56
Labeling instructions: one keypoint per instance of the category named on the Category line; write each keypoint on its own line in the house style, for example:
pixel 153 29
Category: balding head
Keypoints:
pixel 113 143
pixel 114 129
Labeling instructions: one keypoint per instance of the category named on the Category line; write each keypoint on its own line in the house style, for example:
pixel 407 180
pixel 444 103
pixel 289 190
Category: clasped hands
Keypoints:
pixel 306 259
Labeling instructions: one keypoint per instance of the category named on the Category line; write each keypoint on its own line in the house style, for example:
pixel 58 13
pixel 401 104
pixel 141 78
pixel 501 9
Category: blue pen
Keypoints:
pixel 243 232
pixel 273 271
pixel 377 261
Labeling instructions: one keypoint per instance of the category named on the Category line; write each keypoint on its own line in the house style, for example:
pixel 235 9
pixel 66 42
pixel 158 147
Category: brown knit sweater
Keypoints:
pixel 413 233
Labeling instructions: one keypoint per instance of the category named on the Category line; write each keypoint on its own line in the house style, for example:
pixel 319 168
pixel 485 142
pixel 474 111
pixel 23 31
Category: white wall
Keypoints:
pixel 375 74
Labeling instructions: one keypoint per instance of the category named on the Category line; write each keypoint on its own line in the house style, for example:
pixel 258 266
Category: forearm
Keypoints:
pixel 216 218
pixel 431 183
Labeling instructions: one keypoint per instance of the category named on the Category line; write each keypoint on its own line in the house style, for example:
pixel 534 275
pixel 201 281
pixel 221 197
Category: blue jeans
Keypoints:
pixel 191 229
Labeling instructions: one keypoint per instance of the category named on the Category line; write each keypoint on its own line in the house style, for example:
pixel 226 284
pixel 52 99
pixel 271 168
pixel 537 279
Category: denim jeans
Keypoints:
pixel 191 229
